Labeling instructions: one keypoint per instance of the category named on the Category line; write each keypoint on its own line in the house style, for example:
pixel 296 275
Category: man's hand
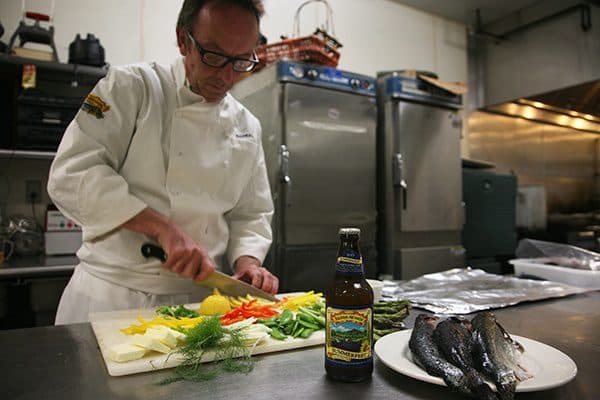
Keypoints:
pixel 184 256
pixel 249 270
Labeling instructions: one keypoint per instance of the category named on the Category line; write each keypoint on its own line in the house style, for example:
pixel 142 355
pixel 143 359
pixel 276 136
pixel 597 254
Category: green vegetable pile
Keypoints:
pixel 303 324
pixel 231 353
pixel 176 312
pixel 388 317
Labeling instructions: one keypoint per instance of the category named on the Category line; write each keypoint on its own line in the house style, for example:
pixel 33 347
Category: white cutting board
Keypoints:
pixel 107 328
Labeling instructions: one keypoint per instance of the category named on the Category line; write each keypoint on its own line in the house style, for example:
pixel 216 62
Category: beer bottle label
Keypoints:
pixel 349 337
pixel 349 262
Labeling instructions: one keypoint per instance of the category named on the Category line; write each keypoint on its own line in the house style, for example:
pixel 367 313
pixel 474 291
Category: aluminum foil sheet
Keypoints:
pixel 463 291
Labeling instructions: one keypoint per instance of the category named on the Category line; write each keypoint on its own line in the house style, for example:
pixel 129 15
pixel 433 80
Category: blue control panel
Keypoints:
pixel 418 89
pixel 332 78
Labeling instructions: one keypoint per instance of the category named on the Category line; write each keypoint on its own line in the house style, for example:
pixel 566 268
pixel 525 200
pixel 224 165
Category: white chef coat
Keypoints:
pixel 157 144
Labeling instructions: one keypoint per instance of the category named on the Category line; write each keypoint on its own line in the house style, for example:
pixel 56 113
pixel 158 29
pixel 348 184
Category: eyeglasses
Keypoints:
pixel 218 60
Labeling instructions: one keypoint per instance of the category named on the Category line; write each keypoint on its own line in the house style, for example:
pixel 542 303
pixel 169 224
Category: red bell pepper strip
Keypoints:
pixel 248 310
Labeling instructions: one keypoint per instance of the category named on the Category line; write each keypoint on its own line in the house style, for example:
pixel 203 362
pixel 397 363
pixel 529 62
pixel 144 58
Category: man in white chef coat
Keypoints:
pixel 164 153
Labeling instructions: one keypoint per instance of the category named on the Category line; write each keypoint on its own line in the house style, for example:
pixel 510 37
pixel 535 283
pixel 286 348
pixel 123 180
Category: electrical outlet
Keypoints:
pixel 33 191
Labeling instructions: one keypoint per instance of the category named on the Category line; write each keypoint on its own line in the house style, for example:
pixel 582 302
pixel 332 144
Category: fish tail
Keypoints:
pixel 506 391
pixel 522 374
pixel 478 388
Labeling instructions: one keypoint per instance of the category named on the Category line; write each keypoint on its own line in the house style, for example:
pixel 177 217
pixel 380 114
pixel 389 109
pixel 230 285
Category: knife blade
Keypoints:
pixel 223 282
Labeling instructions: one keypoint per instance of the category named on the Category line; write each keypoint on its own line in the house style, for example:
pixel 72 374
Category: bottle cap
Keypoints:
pixel 349 231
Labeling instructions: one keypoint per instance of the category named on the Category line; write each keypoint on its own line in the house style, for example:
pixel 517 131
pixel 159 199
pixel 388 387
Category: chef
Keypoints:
pixel 164 153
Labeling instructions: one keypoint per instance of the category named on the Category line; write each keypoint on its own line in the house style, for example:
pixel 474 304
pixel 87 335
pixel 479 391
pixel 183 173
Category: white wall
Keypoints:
pixel 377 35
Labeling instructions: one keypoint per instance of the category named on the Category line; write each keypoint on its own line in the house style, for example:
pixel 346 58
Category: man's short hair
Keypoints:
pixel 191 8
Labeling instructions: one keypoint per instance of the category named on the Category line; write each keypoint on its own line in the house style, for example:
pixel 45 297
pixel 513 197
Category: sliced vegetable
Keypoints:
pixel 237 301
pixel 306 321
pixel 176 312
pixel 248 310
pixel 215 304
pixel 175 323
pixel 306 299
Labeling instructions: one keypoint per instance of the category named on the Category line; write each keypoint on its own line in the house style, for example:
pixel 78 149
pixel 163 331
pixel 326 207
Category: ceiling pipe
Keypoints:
pixel 585 22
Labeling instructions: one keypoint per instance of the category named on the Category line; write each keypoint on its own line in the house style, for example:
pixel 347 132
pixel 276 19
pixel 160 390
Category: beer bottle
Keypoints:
pixel 349 315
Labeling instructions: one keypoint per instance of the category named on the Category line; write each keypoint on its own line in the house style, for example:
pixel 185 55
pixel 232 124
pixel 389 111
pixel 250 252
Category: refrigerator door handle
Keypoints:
pixel 398 177
pixel 284 162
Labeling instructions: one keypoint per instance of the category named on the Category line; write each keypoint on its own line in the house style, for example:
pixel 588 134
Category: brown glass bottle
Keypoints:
pixel 349 315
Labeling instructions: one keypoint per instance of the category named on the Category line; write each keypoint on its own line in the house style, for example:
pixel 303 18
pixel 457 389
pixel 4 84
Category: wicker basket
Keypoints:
pixel 307 49
pixel 318 48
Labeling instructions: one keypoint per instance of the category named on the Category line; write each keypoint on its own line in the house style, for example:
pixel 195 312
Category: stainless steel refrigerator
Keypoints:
pixel 319 128
pixel 419 177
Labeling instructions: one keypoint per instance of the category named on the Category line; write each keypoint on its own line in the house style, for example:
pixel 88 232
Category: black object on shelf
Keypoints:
pixel 36 118
pixel 2 44
pixel 34 33
pixel 86 51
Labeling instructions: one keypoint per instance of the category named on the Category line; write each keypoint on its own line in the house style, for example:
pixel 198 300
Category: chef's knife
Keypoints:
pixel 225 283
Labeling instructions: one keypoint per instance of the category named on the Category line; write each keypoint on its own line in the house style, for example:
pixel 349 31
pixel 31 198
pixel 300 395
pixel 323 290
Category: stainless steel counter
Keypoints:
pixel 25 267
pixel 65 363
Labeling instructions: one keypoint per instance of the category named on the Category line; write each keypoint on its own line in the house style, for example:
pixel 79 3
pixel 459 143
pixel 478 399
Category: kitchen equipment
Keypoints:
pixel 37 117
pixel 318 128
pixel 490 232
pixel 420 213
pixel 107 329
pixel 26 235
pixel 61 236
pixel 34 33
pixel 42 119
pixel 86 51
pixel 223 282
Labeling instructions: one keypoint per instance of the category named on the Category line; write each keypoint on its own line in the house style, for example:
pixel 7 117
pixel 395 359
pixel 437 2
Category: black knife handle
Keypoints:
pixel 152 250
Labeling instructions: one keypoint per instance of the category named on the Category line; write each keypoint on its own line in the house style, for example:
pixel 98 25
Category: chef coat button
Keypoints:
pixel 226 163
pixel 179 154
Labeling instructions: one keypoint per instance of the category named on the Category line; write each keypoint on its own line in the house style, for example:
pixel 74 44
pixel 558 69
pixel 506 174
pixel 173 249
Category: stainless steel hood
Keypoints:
pixel 576 107
pixel 530 58
pixel 540 63
pixel 584 98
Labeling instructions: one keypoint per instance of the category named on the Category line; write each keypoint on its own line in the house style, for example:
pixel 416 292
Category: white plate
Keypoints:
pixel 550 367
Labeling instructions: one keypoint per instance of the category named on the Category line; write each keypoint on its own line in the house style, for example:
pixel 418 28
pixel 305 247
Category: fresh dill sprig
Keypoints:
pixel 231 355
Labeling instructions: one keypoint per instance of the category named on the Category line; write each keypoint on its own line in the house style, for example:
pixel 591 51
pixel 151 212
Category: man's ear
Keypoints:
pixel 182 41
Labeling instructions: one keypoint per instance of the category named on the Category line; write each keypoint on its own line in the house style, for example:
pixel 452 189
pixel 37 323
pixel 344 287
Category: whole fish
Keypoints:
pixel 497 354
pixel 426 354
pixel 453 338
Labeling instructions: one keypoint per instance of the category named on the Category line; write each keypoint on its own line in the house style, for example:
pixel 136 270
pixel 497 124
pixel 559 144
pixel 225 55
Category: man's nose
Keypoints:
pixel 226 73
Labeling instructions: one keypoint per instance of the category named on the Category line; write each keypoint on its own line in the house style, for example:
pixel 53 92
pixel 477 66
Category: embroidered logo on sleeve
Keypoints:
pixel 95 106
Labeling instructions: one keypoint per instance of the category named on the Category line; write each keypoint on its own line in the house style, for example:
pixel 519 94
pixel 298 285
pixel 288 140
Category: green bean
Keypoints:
pixel 285 317
pixel 277 334
pixel 305 317
pixel 309 325
pixel 307 332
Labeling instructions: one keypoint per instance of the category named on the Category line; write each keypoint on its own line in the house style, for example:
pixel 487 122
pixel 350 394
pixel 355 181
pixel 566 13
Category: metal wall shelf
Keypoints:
pixel 29 154
pixel 97 72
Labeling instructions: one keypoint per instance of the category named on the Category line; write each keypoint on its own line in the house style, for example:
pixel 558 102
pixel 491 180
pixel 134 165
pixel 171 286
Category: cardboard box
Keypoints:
pixel 452 87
